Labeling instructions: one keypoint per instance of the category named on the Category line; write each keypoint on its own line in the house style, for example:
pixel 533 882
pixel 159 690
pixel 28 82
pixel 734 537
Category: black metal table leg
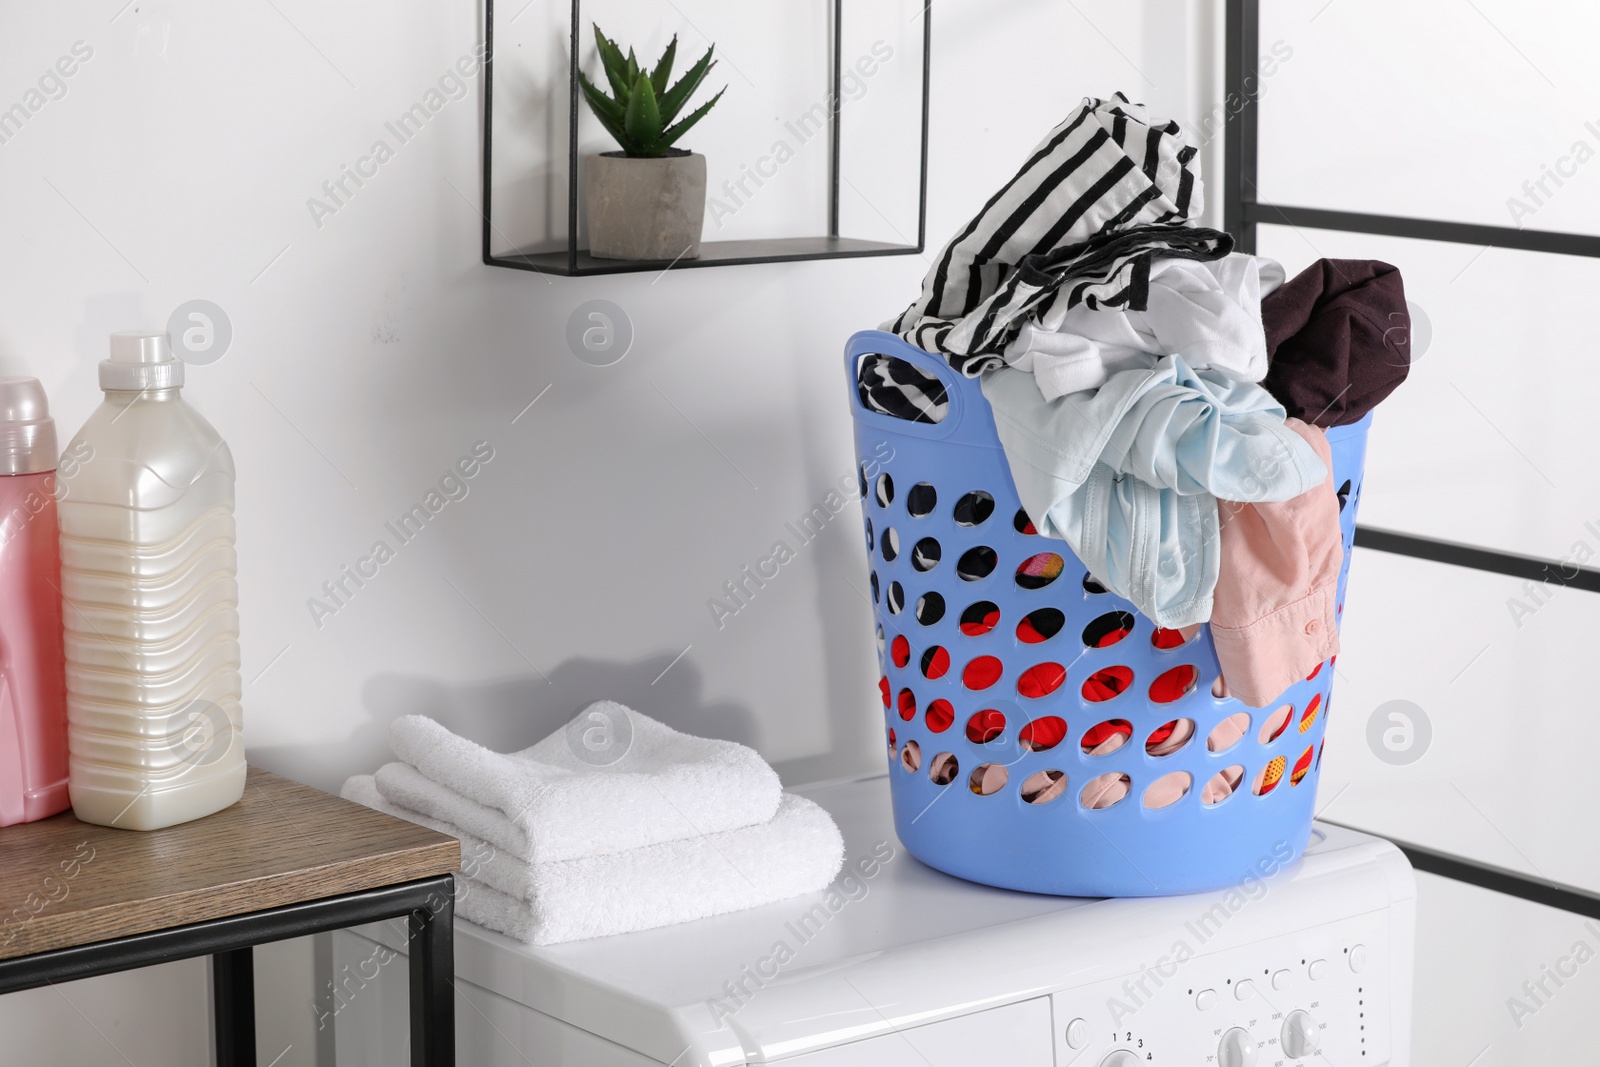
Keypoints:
pixel 433 966
pixel 233 997
pixel 428 904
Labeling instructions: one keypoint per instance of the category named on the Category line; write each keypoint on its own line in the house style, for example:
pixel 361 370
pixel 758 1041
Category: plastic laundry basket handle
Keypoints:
pixel 957 425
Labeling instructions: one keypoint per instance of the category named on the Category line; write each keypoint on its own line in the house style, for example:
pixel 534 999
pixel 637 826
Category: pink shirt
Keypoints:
pixel 1273 619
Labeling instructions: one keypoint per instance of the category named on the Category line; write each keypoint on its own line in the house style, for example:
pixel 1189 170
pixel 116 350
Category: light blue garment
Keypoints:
pixel 1130 474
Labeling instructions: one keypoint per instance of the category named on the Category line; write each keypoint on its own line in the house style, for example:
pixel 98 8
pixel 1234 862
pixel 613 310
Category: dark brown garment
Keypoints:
pixel 1339 340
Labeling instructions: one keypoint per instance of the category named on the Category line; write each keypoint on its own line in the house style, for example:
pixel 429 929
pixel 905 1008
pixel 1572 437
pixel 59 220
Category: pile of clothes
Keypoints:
pixel 615 823
pixel 1161 399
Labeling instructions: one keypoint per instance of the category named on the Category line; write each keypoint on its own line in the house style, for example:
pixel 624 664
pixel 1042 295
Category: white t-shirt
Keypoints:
pixel 1208 313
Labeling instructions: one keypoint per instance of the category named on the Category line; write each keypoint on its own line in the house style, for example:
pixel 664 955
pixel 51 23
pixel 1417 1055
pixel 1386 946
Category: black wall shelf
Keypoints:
pixel 712 254
pixel 575 262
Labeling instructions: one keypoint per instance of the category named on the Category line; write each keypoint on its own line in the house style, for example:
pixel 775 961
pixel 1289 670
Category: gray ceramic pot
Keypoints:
pixel 645 208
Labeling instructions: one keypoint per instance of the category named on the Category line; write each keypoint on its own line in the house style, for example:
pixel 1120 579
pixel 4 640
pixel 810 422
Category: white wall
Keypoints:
pixel 371 352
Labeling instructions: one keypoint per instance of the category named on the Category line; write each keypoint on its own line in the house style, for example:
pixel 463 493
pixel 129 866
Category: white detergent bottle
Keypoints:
pixel 151 612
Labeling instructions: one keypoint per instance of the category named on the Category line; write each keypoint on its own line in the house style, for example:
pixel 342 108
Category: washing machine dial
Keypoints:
pixel 1122 1058
pixel 1299 1034
pixel 1237 1049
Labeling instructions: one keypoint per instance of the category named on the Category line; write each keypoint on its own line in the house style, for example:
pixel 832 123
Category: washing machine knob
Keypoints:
pixel 1122 1058
pixel 1238 1049
pixel 1299 1034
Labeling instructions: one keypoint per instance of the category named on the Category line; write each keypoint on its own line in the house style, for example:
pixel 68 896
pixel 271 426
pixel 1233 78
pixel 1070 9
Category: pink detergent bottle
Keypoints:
pixel 33 692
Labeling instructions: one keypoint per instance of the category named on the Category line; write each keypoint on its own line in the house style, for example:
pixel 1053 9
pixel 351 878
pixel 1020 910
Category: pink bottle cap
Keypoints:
pixel 27 432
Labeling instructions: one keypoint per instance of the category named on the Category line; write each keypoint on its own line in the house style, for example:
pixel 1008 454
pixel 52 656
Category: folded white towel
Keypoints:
pixel 406 787
pixel 478 902
pixel 611 780
pixel 480 860
pixel 798 851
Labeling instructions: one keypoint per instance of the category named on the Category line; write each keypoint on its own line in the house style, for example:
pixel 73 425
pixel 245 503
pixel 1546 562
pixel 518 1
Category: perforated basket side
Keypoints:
pixel 1007 674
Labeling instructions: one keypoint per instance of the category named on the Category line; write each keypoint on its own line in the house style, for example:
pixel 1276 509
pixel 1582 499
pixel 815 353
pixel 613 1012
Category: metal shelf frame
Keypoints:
pixel 574 261
pixel 427 906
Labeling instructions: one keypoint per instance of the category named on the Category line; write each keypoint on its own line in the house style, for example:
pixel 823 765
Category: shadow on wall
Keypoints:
pixel 513 713
pixel 846 619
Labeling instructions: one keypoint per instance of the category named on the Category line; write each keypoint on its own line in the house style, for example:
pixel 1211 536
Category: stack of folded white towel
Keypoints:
pixel 558 844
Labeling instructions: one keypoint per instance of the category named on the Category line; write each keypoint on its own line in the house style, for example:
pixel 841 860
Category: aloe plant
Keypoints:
pixel 640 109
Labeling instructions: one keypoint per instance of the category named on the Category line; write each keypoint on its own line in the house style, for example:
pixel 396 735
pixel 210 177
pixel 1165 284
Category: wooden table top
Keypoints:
pixel 66 883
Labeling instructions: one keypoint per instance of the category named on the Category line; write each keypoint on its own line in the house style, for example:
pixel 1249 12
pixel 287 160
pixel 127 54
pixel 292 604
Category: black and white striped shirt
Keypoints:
pixel 1108 191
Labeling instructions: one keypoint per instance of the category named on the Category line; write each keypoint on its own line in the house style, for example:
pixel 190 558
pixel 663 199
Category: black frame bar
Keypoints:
pixel 1497 879
pixel 1531 568
pixel 573 262
pixel 833 119
pixel 1242 46
pixel 428 905
pixel 1241 212
pixel 1465 233
pixel 233 1007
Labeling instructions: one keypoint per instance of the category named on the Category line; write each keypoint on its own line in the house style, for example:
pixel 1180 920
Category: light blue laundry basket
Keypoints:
pixel 1002 803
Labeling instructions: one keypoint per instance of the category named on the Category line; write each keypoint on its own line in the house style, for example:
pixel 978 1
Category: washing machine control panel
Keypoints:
pixel 1315 996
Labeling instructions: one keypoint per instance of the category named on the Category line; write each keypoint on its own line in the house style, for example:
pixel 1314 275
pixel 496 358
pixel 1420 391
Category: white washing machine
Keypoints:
pixel 898 965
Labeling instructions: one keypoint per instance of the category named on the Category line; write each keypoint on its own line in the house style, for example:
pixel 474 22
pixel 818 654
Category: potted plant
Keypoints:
pixel 647 201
